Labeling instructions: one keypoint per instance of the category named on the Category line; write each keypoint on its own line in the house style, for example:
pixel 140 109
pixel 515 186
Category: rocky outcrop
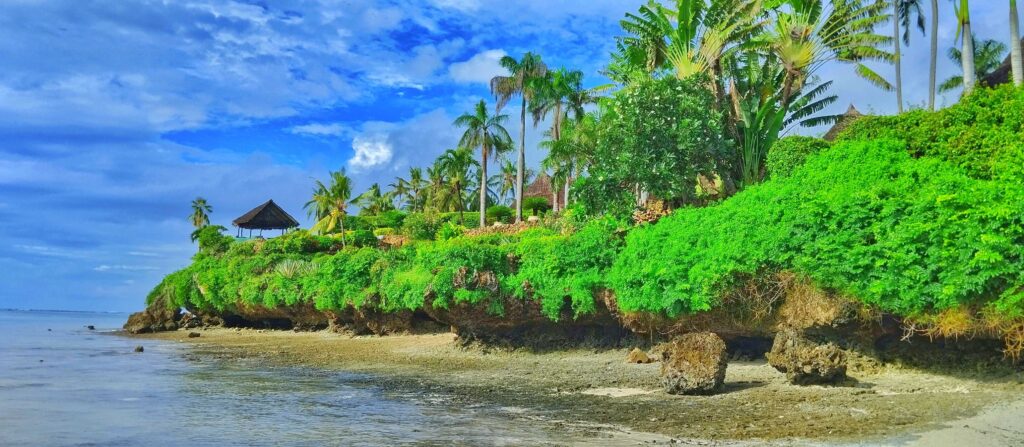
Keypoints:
pixel 805 361
pixel 158 316
pixel 694 364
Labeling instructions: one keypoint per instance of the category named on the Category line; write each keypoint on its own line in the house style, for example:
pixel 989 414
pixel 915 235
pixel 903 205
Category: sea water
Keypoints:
pixel 62 384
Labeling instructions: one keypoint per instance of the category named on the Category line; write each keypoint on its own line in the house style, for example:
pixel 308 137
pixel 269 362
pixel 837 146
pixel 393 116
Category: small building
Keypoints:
pixel 268 216
pixel 541 187
pixel 851 115
pixel 1001 75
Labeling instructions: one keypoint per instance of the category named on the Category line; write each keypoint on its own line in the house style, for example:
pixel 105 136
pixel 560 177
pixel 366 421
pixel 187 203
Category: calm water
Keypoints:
pixel 64 385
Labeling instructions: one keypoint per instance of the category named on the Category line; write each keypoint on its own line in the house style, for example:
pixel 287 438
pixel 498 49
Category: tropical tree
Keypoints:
pixel 417 186
pixel 1016 59
pixel 488 133
pixel 504 88
pixel 200 213
pixel 330 203
pixel 988 55
pixel 571 153
pixel 964 33
pixel 902 10
pixel 373 201
pixel 933 55
pixel 505 180
pixel 402 192
pixel 807 35
pixel 452 171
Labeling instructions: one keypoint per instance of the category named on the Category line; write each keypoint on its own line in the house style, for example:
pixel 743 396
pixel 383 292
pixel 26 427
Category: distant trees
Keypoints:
pixel 329 204
pixel 487 132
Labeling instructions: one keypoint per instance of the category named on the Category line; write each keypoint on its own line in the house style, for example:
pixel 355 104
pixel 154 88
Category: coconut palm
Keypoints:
pixel 988 55
pixel 452 172
pixel 417 189
pixel 504 88
pixel 330 203
pixel 1016 59
pixel 373 201
pixel 963 32
pixel 933 55
pixel 488 133
pixel 571 152
pixel 200 213
pixel 903 10
pixel 506 181
pixel 402 192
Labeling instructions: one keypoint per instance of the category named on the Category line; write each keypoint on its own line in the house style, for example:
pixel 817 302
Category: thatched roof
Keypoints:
pixel 267 216
pixel 1001 75
pixel 541 187
pixel 851 115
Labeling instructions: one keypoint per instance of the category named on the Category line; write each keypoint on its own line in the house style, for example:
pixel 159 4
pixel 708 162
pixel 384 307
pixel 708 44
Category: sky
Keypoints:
pixel 115 115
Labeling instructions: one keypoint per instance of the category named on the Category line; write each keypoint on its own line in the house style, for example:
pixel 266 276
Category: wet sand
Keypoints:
pixel 596 390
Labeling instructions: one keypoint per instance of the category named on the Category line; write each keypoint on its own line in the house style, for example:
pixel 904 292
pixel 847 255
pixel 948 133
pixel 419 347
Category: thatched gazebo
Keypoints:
pixel 1001 75
pixel 851 115
pixel 541 187
pixel 267 216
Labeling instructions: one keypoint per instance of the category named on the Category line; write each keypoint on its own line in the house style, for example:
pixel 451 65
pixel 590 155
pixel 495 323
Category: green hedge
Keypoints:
pixel 906 235
pixel 983 134
pixel 790 153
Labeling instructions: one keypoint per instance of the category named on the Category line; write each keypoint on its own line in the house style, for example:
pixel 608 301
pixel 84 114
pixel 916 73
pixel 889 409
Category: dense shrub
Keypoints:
pixel 789 153
pixel 658 136
pixel 363 238
pixel 499 213
pixel 906 235
pixel 536 205
pixel 212 240
pixel 421 226
pixel 450 230
pixel 983 134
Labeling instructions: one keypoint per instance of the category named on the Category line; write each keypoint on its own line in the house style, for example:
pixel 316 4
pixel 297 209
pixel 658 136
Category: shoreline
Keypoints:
pixel 597 388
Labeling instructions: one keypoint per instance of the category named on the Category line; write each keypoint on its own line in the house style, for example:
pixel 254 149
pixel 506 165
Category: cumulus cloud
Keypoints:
pixel 478 69
pixel 370 151
pixel 123 267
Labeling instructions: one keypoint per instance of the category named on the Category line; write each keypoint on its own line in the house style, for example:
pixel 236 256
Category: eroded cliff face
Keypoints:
pixel 158 316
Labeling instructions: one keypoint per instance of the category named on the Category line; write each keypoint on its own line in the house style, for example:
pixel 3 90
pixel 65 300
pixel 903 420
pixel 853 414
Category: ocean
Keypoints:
pixel 62 384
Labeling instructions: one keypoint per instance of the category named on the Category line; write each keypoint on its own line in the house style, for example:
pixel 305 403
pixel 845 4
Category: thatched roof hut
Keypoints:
pixel 851 115
pixel 267 216
pixel 541 187
pixel 1001 75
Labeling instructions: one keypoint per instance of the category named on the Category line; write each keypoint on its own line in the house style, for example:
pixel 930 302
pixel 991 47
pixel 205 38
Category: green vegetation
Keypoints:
pixel 919 215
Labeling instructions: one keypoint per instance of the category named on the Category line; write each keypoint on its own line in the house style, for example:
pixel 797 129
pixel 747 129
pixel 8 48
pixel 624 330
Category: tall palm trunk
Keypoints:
pixel 483 186
pixel 896 54
pixel 521 163
pixel 568 179
pixel 1016 61
pixel 967 53
pixel 934 55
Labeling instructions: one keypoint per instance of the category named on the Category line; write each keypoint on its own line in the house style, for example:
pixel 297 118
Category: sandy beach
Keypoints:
pixel 597 390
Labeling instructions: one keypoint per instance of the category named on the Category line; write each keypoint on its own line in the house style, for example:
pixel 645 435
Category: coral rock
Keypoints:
pixel 694 364
pixel 806 362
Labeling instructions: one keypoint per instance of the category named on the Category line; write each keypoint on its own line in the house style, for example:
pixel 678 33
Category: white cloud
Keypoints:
pixel 370 151
pixel 480 68
pixel 461 5
pixel 319 129
pixel 122 267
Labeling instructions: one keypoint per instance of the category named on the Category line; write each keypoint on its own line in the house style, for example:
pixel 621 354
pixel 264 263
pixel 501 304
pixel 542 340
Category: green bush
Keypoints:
pixel 363 238
pixel 983 134
pixel 536 205
pixel 450 230
pixel 906 235
pixel 499 213
pixel 212 240
pixel 421 226
pixel 789 153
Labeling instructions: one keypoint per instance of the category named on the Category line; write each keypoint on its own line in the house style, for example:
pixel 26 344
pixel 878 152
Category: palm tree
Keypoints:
pixel 901 12
pixel 987 57
pixel 488 133
pixel 506 181
pixel 402 192
pixel 808 34
pixel 200 213
pixel 373 201
pixel 452 174
pixel 933 55
pixel 329 204
pixel 504 88
pixel 417 189
pixel 571 152
pixel 1016 60
pixel 963 32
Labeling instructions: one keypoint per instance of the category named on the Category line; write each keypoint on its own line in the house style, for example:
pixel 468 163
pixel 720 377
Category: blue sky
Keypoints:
pixel 114 115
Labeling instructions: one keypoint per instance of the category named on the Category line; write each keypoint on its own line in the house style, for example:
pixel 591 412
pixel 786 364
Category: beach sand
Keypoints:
pixel 597 390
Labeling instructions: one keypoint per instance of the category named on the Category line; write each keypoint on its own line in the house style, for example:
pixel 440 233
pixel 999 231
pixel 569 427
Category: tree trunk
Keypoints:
pixel 896 53
pixel 568 179
pixel 483 185
pixel 341 223
pixel 1016 61
pixel 967 53
pixel 554 196
pixel 934 55
pixel 521 165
